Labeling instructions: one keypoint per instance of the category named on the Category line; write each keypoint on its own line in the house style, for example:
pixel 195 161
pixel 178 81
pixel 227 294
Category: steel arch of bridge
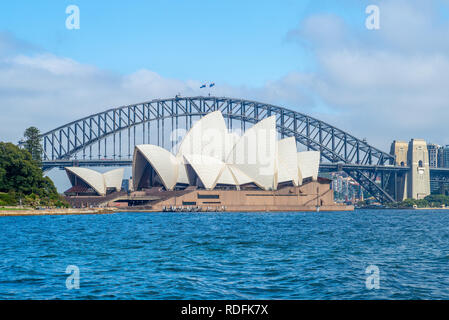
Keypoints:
pixel 335 145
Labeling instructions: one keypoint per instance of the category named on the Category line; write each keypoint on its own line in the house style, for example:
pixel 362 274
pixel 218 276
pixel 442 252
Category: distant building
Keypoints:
pixel 445 157
pixel 438 156
pixel 346 188
pixel 434 155
pixel 441 158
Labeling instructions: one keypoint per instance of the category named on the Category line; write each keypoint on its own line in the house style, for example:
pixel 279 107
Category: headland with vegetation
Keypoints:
pixel 22 181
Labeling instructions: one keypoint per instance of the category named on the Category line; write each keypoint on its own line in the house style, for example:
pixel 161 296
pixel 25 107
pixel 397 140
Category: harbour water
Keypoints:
pixel 227 255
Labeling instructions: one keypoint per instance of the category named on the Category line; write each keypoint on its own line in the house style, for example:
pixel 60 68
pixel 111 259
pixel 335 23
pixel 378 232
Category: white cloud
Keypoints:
pixel 387 84
pixel 47 91
pixel 53 65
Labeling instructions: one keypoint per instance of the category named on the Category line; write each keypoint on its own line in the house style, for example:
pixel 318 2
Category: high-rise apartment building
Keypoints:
pixel 438 156
pixel 445 157
pixel 434 154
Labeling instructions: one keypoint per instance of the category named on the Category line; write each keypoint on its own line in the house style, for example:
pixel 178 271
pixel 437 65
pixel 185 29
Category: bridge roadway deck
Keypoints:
pixel 324 167
pixel 436 173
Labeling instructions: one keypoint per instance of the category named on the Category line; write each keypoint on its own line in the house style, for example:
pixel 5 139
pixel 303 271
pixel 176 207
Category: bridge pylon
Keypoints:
pixel 398 186
pixel 414 184
pixel 419 174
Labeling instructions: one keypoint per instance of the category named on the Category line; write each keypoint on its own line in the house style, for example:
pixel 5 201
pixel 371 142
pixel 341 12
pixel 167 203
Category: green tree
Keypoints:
pixel 8 199
pixel 409 203
pixel 2 175
pixel 437 200
pixel 21 175
pixel 422 203
pixel 33 143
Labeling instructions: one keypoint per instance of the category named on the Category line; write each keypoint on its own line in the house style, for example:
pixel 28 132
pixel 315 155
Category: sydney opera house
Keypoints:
pixel 90 187
pixel 214 169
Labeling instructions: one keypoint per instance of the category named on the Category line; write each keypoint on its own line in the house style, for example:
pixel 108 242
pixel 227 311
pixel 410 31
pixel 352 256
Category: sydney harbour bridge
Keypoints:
pixel 108 138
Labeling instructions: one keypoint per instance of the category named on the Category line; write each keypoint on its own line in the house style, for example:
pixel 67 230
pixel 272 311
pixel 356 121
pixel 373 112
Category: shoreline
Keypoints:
pixel 430 208
pixel 404 208
pixel 55 212
pixel 112 210
pixel 92 211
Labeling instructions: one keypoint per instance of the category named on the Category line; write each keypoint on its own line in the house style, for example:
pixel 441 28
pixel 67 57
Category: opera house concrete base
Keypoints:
pixel 311 196
pixel 93 201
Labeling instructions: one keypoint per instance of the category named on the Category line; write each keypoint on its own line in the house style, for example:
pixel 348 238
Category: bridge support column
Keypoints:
pixel 419 175
pixel 399 185
pixel 416 183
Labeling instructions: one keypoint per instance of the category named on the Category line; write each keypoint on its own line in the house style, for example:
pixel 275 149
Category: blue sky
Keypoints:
pixel 315 57
pixel 237 42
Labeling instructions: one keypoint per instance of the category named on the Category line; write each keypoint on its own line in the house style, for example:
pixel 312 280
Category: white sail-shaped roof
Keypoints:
pixel 207 168
pixel 183 178
pixel 233 176
pixel 208 137
pixel 93 178
pixel 163 162
pixel 308 164
pixel 287 161
pixel 230 141
pixel 114 178
pixel 216 156
pixel 255 153
pixel 240 177
pixel 226 177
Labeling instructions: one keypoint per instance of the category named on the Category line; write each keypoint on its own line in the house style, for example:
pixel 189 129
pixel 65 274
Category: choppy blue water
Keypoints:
pixel 227 256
